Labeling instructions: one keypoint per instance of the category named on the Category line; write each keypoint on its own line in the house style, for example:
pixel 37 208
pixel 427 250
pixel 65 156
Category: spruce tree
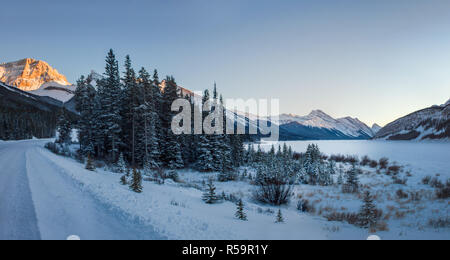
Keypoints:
pixel 240 214
pixel 130 112
pixel 205 158
pixel 171 153
pixel 280 218
pixel 108 119
pixel 123 180
pixel 64 128
pixel 136 181
pixel 121 164
pixel 368 213
pixel 150 118
pixel 85 104
pixel 90 164
pixel 352 183
pixel 209 196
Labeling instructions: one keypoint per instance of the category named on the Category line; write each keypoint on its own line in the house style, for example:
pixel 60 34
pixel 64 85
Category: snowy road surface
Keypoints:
pixel 39 201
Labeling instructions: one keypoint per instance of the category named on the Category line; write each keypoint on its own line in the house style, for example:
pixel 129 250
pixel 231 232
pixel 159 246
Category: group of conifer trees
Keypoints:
pixel 130 114
pixel 22 123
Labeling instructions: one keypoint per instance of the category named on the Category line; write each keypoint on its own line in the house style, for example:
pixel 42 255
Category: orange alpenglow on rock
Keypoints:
pixel 30 74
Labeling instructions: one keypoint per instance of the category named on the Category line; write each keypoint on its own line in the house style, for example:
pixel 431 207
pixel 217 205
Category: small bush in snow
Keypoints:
pixel 383 163
pixel 240 214
pixel 90 164
pixel 280 218
pixel 136 181
pixel 443 192
pixel 401 181
pixel 351 218
pixel 393 170
pixel 304 205
pixel 426 180
pixel 369 215
pixel 365 160
pixel 436 183
pixel 442 222
pixel 401 194
pixel 209 196
pixel 373 164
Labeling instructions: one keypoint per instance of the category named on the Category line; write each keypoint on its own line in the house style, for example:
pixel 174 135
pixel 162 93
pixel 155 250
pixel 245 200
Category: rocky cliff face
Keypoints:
pixel 429 123
pixel 30 74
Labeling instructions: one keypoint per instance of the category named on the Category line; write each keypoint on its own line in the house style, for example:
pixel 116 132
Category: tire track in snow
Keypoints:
pixel 18 219
pixel 64 208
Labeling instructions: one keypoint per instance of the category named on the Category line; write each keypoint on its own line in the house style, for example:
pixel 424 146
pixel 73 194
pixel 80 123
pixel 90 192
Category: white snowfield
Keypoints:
pixel 40 200
pixel 46 196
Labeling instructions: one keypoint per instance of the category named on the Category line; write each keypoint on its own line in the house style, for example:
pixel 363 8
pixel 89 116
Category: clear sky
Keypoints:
pixel 375 60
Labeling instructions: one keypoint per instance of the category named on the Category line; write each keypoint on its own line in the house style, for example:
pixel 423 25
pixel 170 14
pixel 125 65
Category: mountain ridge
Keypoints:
pixel 428 123
pixel 29 74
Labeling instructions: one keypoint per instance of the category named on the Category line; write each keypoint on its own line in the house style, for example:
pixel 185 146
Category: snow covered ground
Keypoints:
pixel 424 157
pixel 46 196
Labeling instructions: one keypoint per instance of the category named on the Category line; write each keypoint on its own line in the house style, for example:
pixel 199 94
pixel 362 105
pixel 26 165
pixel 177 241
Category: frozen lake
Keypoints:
pixel 424 157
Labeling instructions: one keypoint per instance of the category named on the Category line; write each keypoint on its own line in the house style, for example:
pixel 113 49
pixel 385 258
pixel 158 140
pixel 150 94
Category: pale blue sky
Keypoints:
pixel 375 60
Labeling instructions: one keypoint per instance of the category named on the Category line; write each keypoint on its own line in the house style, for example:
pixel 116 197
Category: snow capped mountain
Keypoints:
pixel 56 91
pixel 376 128
pixel 30 74
pixel 325 126
pixel 428 123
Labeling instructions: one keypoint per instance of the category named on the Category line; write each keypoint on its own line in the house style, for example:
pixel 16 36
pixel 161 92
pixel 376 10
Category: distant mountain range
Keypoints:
pixel 320 126
pixel 36 84
pixel 30 74
pixel 426 124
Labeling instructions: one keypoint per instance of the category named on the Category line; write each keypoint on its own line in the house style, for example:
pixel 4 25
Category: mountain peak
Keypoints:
pixel 318 113
pixel 30 74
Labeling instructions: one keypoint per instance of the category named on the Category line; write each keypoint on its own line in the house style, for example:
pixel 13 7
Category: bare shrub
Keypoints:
pixel 382 226
pixel 400 214
pixel 383 163
pixel 352 159
pixel 394 170
pixel 373 164
pixel 274 190
pixel 436 183
pixel 400 181
pixel 351 218
pixel 365 160
pixel 415 196
pixel 401 194
pixel 443 193
pixel 304 205
pixel 426 180
pixel 442 222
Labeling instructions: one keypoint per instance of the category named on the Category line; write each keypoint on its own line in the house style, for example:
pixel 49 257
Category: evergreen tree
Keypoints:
pixel 121 164
pixel 340 179
pixel 131 108
pixel 205 159
pixel 171 153
pixel 280 218
pixel 240 214
pixel 64 128
pixel 136 181
pixel 368 213
pixel 149 116
pixel 90 164
pixel 209 196
pixel 123 180
pixel 352 176
pixel 108 109
pixel 85 105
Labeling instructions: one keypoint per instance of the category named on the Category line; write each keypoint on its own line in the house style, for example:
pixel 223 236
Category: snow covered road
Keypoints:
pixel 39 201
